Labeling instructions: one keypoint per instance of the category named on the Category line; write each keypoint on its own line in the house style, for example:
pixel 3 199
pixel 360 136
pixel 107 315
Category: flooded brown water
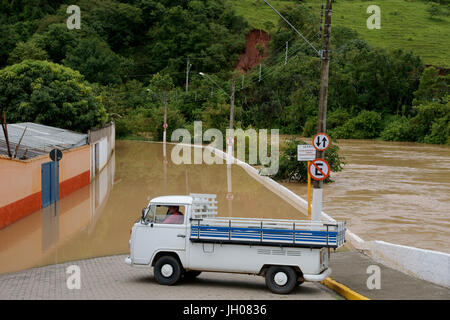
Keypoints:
pixel 395 192
pixel 388 191
pixel 96 220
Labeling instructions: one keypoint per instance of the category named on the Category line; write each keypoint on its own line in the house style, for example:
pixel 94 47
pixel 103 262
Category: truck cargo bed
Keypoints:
pixel 272 232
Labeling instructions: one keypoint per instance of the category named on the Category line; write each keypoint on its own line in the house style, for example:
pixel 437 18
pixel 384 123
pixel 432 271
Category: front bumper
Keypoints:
pixel 317 277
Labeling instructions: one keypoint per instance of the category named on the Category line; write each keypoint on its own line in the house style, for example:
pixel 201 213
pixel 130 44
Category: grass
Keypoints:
pixel 404 24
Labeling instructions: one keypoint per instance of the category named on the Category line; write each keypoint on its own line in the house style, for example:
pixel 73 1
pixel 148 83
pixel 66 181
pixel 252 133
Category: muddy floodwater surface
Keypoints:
pixel 396 192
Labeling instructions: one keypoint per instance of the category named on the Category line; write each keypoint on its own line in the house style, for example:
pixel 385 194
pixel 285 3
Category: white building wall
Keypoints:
pixel 103 152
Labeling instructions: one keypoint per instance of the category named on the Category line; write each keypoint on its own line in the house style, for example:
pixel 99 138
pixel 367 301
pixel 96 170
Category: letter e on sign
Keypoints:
pixel 321 141
pixel 319 169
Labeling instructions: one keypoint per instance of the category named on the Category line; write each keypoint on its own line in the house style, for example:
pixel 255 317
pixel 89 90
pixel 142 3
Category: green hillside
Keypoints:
pixel 404 24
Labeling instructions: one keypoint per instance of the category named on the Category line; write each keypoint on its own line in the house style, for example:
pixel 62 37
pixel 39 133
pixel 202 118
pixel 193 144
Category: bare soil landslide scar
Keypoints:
pixel 181 236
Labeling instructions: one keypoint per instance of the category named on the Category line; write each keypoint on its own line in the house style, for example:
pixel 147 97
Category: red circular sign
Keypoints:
pixel 230 196
pixel 319 169
pixel 321 141
pixel 165 126
pixel 230 141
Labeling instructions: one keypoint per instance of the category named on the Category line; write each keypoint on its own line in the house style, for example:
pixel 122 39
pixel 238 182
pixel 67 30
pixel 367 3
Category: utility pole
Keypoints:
pixel 165 115
pixel 232 105
pixel 287 48
pixel 325 57
pixel 231 137
pixel 188 68
pixel 233 89
pixel 323 99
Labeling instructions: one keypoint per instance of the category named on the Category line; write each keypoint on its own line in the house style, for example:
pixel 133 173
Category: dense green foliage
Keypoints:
pixel 129 57
pixel 51 94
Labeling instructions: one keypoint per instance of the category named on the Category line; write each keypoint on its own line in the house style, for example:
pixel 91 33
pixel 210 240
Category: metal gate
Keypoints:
pixel 48 183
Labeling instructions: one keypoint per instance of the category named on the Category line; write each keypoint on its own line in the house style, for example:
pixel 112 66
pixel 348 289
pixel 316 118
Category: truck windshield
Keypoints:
pixel 150 214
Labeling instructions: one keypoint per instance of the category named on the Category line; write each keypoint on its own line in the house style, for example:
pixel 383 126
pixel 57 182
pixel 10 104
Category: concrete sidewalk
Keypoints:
pixel 350 269
pixel 110 278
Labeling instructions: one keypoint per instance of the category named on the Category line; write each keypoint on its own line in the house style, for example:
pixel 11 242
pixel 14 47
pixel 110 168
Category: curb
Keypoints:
pixel 344 291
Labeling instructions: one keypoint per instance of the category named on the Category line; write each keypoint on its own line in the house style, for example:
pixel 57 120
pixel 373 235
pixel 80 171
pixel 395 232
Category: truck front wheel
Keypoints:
pixel 281 279
pixel 167 270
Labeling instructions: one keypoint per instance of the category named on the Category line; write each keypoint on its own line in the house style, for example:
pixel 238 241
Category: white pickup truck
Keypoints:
pixel 181 236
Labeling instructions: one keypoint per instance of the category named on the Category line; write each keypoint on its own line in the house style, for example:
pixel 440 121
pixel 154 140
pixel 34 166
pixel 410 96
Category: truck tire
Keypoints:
pixel 191 274
pixel 281 279
pixel 167 270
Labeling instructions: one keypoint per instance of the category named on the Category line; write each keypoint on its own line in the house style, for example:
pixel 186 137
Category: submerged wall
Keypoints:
pixel 20 188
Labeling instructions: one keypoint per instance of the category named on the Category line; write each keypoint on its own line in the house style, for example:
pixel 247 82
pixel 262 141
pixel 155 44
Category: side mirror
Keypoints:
pixel 143 213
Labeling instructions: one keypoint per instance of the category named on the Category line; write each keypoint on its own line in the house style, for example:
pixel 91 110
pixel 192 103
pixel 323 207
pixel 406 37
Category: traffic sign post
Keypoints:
pixel 307 152
pixel 55 155
pixel 321 141
pixel 309 192
pixel 319 169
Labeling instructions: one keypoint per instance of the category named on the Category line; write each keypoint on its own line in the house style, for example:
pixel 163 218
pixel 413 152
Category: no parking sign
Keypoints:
pixel 319 169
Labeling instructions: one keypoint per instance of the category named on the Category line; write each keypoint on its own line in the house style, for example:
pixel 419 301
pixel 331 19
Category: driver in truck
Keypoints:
pixel 174 216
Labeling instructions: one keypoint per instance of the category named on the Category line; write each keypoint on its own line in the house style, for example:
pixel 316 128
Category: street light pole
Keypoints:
pixel 188 68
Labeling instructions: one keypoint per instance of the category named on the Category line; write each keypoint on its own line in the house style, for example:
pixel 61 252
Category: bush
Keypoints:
pixel 26 50
pixel 310 127
pixel 440 131
pixel 337 118
pixel 366 125
pixel 397 130
pixel 427 115
pixel 293 170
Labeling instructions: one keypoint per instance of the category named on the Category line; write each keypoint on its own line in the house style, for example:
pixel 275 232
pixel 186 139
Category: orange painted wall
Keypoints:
pixel 20 190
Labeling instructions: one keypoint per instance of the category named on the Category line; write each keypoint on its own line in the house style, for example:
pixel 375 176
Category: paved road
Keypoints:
pixel 111 278
pixel 350 269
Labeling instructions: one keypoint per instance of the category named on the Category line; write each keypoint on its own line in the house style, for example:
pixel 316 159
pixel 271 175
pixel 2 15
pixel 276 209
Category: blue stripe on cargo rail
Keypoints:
pixel 258 235
pixel 285 231
pixel 264 238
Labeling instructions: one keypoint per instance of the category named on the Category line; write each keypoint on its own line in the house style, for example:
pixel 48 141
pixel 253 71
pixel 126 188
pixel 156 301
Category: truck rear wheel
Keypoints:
pixel 167 270
pixel 281 279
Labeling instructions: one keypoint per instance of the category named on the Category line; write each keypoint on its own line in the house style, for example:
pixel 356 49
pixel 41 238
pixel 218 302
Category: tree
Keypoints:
pixel 95 60
pixel 27 50
pixel 50 94
pixel 57 41
pixel 432 87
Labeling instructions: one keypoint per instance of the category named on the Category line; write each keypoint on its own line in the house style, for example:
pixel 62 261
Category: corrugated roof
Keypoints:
pixel 39 139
